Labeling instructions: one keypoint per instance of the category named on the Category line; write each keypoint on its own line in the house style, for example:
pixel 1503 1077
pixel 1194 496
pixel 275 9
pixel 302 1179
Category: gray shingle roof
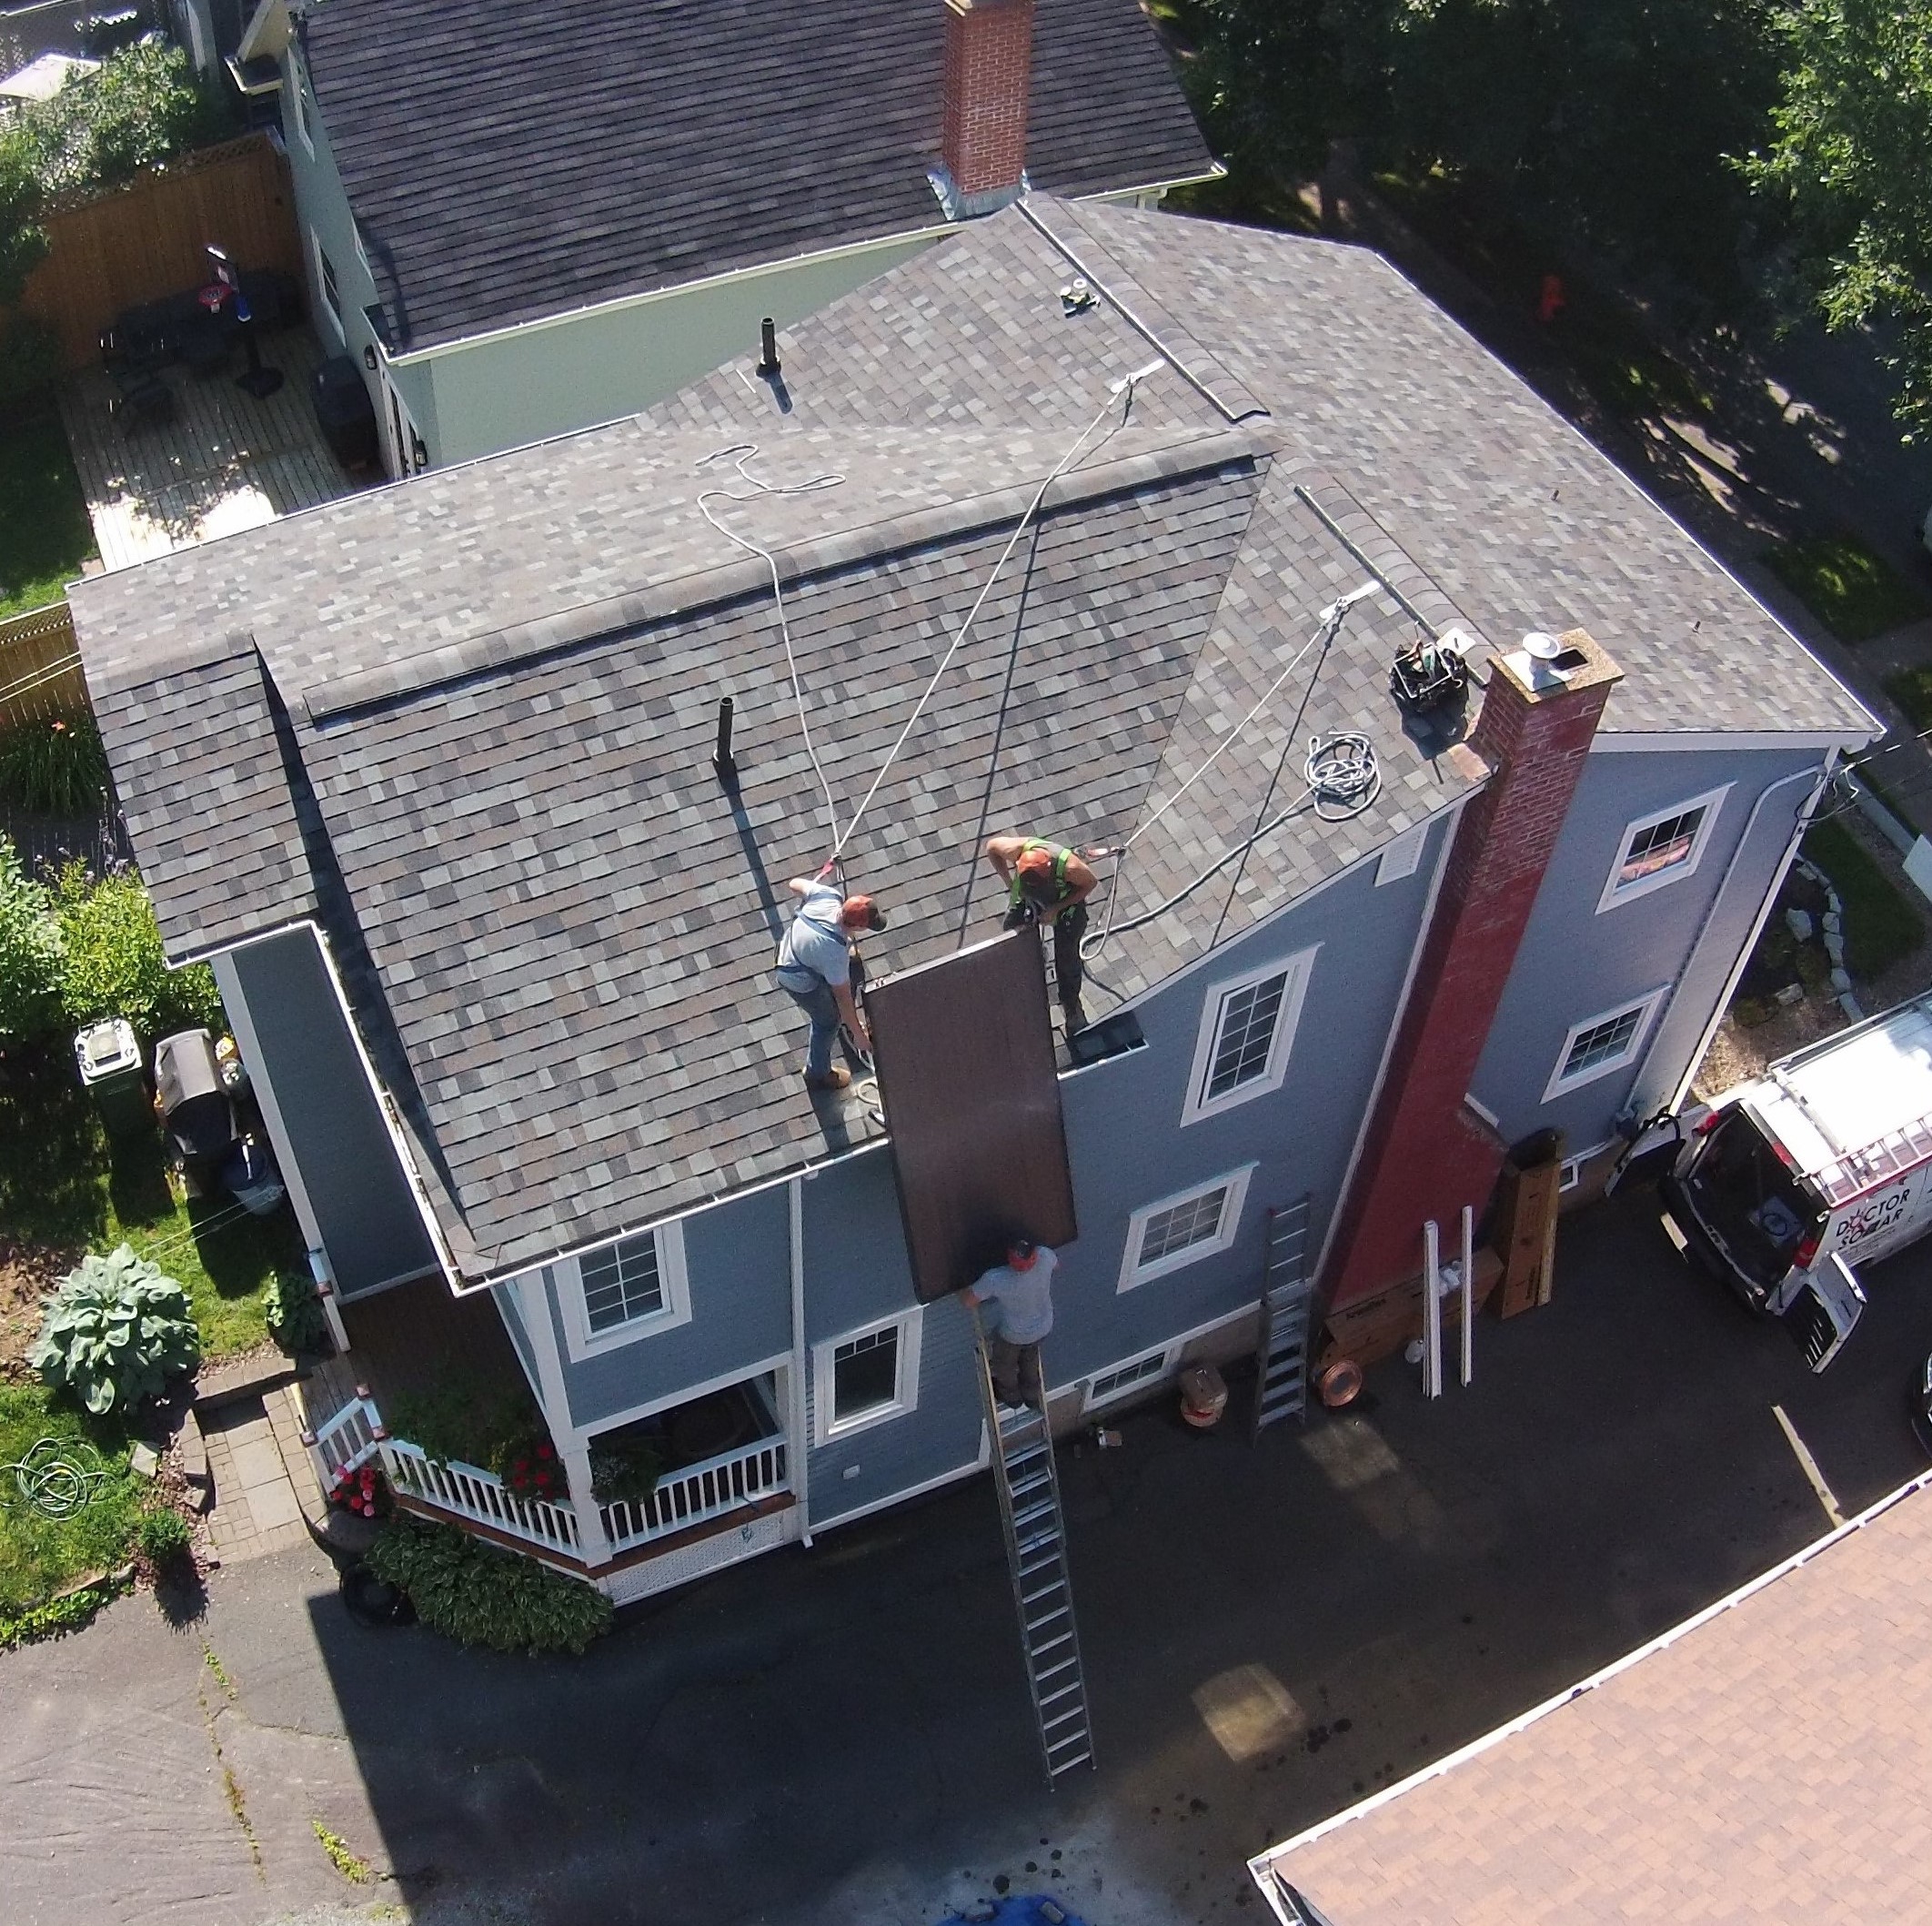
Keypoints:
pixel 505 161
pixel 500 680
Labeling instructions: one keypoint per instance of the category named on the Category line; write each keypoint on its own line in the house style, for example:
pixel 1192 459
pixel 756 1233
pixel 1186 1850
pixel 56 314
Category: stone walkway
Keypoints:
pixel 262 1478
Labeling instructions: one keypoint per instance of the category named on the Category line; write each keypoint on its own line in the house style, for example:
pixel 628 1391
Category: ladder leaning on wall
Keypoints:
pixel 1036 1553
pixel 1280 1351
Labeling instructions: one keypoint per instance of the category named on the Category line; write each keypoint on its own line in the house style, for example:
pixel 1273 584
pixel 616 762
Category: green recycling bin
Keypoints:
pixel 110 1072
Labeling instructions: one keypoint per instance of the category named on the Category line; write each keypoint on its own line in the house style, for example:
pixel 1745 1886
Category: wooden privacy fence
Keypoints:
pixel 144 240
pixel 40 668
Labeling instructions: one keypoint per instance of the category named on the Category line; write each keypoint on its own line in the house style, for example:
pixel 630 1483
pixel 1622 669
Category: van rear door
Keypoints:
pixel 1822 1309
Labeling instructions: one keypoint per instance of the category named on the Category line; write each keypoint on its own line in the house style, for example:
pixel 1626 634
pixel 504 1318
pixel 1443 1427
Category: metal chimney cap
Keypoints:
pixel 1542 648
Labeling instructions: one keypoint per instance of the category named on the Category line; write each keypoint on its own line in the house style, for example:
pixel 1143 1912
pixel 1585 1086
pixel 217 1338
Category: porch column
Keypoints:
pixel 573 1446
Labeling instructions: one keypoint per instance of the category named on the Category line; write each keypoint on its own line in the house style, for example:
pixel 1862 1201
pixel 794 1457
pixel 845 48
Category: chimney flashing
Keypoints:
pixel 959 207
pixel 987 87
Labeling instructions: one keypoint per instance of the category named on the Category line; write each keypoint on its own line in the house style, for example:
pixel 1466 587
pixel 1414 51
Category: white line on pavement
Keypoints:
pixel 1810 1467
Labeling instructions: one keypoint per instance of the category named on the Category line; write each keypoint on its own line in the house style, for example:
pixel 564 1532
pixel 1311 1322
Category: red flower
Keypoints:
pixel 545 1451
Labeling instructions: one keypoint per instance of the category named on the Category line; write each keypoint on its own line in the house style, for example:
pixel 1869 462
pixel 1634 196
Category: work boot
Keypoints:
pixel 1076 1018
pixel 836 1078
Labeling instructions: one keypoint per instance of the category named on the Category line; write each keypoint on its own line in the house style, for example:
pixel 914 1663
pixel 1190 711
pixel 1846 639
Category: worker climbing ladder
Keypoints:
pixel 1036 1551
pixel 1280 1353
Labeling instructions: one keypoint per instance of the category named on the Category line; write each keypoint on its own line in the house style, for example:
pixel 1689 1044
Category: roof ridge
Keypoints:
pixel 1203 371
pixel 492 650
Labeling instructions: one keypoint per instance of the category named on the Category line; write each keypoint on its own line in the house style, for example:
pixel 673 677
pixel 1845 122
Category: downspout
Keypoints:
pixel 799 1416
pixel 1737 969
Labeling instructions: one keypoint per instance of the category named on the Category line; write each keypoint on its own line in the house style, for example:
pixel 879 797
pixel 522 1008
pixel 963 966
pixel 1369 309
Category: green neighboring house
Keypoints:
pixel 525 220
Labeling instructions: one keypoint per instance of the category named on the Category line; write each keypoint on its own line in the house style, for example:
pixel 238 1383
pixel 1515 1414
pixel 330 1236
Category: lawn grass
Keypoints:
pixel 1880 925
pixel 1854 592
pixel 39 1555
pixel 45 533
pixel 62 1186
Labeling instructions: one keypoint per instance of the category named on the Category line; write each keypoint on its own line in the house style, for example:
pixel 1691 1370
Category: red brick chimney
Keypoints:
pixel 1427 1154
pixel 989 70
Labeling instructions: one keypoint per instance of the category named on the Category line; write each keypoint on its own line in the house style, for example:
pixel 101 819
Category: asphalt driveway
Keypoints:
pixel 841 1735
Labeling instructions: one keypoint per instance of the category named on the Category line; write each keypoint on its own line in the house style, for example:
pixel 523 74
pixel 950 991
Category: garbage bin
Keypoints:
pixel 110 1072
pixel 345 413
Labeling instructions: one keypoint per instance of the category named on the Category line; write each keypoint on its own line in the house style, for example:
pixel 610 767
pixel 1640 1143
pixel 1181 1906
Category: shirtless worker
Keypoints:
pixel 1047 882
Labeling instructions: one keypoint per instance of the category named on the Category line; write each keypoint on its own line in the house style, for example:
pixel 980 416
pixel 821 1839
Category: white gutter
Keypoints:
pixel 1735 975
pixel 799 1448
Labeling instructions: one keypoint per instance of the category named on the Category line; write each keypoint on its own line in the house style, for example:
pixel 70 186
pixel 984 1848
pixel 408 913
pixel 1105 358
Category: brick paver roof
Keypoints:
pixel 465 723
pixel 1771 1762
pixel 505 162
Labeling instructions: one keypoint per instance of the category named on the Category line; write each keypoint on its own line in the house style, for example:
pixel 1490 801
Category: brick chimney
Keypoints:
pixel 989 68
pixel 1427 1154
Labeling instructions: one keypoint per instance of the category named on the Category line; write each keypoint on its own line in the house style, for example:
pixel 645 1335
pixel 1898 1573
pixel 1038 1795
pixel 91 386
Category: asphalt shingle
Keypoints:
pixel 467 723
pixel 508 162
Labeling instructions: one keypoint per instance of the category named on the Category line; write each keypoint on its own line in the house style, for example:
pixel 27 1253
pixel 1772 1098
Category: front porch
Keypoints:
pixel 690 1487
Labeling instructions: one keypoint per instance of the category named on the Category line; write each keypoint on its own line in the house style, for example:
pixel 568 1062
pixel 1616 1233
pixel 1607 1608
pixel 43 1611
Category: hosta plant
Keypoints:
pixel 115 1331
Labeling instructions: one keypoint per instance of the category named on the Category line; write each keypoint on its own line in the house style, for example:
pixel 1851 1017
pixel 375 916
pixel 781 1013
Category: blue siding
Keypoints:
pixel 738 1262
pixel 365 1210
pixel 1575 963
pixel 857 1273
pixel 1130 1149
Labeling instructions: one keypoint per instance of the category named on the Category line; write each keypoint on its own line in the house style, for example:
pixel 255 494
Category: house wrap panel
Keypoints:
pixel 369 1220
pixel 1576 962
pixel 737 1258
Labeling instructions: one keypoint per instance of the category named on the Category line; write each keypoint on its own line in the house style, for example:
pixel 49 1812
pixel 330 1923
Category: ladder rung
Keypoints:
pixel 1042 1673
pixel 1052 1645
pixel 1039 1482
pixel 1047 1698
pixel 1025 1518
pixel 1066 1765
pixel 1044 1591
pixel 1045 1619
pixel 1074 1712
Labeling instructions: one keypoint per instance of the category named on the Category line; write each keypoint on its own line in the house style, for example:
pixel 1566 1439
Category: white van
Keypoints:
pixel 1824 1159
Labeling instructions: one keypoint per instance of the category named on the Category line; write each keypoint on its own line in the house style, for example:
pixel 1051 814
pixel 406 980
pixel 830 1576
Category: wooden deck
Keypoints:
pixel 226 462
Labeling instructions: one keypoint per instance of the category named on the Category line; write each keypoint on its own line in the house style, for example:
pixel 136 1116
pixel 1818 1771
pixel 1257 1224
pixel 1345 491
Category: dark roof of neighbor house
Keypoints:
pixel 505 163
pixel 490 691
pixel 1770 1760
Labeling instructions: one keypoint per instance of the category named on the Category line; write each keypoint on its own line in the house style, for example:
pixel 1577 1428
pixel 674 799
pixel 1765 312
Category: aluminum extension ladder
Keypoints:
pixel 1281 1349
pixel 1036 1553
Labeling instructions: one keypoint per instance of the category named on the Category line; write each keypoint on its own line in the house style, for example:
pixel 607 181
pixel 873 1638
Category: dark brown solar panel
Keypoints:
pixel 964 1049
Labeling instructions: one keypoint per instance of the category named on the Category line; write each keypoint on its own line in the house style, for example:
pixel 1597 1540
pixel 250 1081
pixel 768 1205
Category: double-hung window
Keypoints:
pixel 1183 1229
pixel 630 1289
pixel 1601 1045
pixel 866 1376
pixel 1661 848
pixel 1247 1029
pixel 331 291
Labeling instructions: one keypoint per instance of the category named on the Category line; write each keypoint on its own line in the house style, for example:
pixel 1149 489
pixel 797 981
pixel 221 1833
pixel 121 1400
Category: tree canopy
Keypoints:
pixel 1851 161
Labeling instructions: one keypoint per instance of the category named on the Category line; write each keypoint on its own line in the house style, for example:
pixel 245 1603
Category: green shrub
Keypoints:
pixel 477 1594
pixel 294 1309
pixel 114 962
pixel 54 767
pixel 59 1616
pixel 462 1420
pixel 163 1535
pixel 625 1468
pixel 30 1000
pixel 1856 593
pixel 117 1330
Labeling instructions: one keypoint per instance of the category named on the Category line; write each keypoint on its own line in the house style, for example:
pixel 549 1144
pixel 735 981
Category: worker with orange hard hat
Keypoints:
pixel 1047 882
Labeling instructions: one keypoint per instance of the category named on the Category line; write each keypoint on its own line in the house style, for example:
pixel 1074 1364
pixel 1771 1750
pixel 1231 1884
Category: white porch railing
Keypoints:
pixel 698 1493
pixel 352 1437
pixel 474 1493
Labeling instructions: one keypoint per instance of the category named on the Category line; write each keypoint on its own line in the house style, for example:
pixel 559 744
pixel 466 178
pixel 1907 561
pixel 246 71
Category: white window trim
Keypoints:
pixel 1711 803
pixel 325 274
pixel 1560 1085
pixel 582 1341
pixel 1166 1353
pixel 1299 967
pixel 298 94
pixel 825 1428
pixel 1236 1183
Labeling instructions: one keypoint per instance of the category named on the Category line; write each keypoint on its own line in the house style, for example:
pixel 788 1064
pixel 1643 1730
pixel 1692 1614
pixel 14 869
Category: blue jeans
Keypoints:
pixel 819 1004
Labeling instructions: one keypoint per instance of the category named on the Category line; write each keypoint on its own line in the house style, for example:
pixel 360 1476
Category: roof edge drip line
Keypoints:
pixel 498 650
pixel 1135 313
